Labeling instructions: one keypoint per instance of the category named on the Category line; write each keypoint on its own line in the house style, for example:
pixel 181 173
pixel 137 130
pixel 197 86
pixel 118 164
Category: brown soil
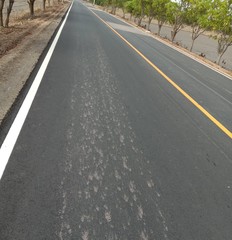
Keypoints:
pixel 23 26
pixel 20 48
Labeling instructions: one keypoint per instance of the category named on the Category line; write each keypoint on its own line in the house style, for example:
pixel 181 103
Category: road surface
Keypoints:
pixel 113 148
pixel 203 44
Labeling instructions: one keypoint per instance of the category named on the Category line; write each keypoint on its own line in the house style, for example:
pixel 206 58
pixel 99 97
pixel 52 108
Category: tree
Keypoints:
pixel 44 5
pixel 122 4
pixel 31 7
pixel 134 8
pixel 100 2
pixel 8 12
pixel 221 22
pixel 140 10
pixel 129 7
pixel 175 16
pixel 150 11
pixel 1 12
pixel 197 16
pixel 160 7
pixel 113 4
pixel 9 8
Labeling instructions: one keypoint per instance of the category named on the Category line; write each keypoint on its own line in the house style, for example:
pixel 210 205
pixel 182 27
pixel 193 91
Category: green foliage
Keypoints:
pixel 197 16
pixel 173 12
pixel 130 6
pixel 160 7
pixel 175 16
pixel 201 15
pixel 149 8
pixel 121 4
pixel 101 2
pixel 221 16
pixel 221 23
pixel 197 13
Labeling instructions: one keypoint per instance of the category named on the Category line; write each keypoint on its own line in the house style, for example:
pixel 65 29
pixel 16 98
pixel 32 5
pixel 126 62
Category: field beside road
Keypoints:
pixel 21 7
pixel 20 48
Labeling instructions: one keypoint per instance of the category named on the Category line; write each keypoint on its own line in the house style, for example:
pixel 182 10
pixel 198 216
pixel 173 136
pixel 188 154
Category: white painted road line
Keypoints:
pixel 12 136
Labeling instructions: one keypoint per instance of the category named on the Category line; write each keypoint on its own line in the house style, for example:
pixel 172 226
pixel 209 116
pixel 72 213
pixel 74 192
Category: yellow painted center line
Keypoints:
pixel 194 102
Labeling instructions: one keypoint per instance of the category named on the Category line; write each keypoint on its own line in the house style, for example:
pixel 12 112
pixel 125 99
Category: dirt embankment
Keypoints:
pixel 20 48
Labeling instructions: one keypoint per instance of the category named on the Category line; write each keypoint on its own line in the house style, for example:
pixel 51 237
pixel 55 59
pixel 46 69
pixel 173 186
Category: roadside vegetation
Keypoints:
pixel 199 15
pixel 25 24
pixel 9 4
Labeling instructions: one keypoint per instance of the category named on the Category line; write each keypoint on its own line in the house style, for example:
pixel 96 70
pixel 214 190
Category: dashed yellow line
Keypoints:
pixel 194 102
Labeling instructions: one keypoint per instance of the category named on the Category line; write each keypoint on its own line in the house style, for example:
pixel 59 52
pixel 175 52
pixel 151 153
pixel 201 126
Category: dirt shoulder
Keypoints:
pixel 20 48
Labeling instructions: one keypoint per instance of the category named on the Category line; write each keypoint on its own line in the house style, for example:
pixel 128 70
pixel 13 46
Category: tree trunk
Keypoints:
pixel 1 12
pixel 173 35
pixel 191 48
pixel 124 14
pixel 196 32
pixel 149 23
pixel 44 5
pixel 160 24
pixel 219 58
pixel 159 28
pixel 140 21
pixel 31 7
pixel 49 3
pixel 9 8
pixel 141 14
pixel 223 45
pixel 176 28
pixel 220 54
pixel 113 10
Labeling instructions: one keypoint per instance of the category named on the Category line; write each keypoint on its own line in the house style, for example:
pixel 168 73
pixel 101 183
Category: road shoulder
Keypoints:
pixel 17 64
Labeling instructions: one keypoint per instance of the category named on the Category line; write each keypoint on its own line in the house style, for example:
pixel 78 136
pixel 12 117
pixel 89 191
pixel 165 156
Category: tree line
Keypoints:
pixel 200 15
pixel 31 3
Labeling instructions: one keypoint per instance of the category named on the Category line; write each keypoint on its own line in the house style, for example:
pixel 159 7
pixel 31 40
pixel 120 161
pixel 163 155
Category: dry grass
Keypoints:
pixel 22 26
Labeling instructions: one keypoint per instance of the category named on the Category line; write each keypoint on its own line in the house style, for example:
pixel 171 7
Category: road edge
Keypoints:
pixel 14 130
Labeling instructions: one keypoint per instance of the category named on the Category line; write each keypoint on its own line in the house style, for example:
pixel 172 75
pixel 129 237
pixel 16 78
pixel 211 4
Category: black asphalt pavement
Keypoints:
pixel 111 150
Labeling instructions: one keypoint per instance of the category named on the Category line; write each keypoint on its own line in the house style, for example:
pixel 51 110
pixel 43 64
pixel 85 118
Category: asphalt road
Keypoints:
pixel 111 150
pixel 203 44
